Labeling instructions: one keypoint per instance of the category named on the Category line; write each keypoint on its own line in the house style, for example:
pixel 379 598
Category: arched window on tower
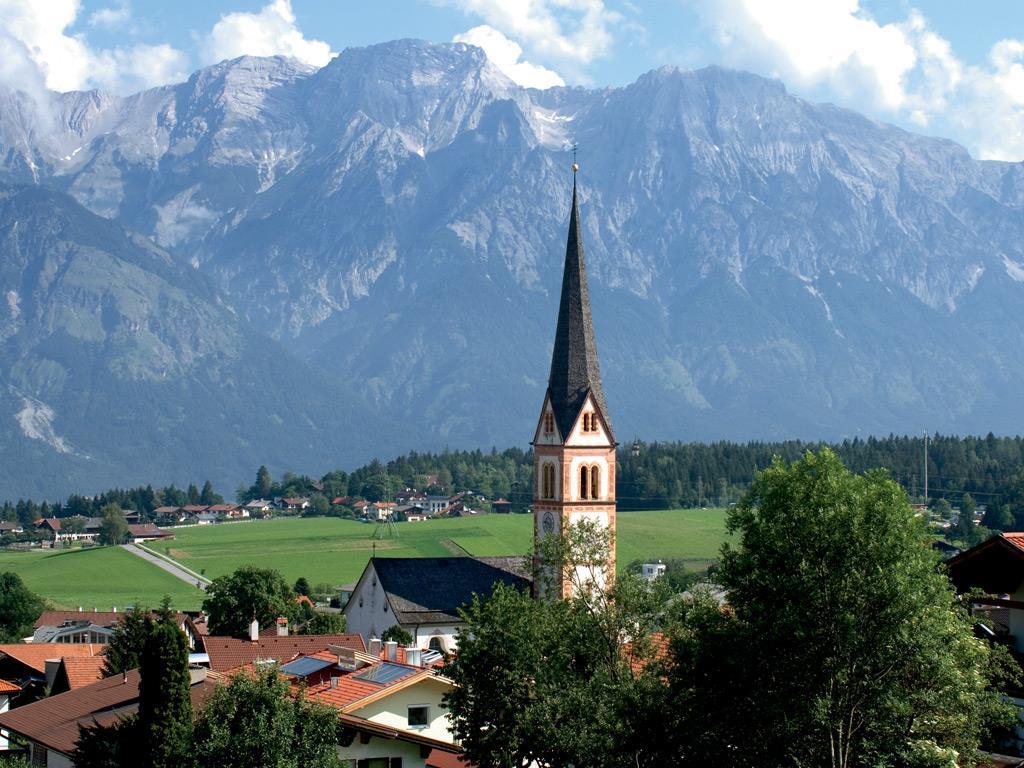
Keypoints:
pixel 549 423
pixel 548 482
pixel 595 482
pixel 584 482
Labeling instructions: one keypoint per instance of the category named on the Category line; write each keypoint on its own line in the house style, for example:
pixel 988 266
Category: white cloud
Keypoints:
pixel 540 27
pixel 270 32
pixel 115 17
pixel 37 34
pixel 897 70
pixel 505 55
pixel 810 42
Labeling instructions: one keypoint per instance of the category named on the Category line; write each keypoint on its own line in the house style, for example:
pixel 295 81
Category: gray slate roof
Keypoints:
pixel 574 365
pixel 430 590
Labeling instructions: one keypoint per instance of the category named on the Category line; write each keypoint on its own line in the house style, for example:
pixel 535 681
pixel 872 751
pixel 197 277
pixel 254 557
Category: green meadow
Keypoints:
pixel 98 577
pixel 329 550
pixel 335 551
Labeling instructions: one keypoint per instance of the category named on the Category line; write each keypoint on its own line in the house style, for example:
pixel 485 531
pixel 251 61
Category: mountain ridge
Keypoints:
pixel 761 266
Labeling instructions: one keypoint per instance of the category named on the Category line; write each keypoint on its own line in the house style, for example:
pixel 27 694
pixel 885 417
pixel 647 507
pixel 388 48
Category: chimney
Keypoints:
pixel 254 631
pixel 374 649
pixel 334 681
pixel 412 656
pixel 392 650
pixel 282 626
pixel 113 609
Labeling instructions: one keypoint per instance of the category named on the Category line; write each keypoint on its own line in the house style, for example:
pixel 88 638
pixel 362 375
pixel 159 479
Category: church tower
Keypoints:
pixel 573 447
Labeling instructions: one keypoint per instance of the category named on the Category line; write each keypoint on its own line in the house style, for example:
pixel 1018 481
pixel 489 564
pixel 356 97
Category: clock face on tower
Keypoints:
pixel 548 524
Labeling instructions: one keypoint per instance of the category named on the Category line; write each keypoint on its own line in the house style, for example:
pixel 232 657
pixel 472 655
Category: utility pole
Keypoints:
pixel 926 467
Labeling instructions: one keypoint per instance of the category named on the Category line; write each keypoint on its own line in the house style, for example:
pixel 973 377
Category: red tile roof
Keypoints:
pixel 99 618
pixel 34 656
pixel 8 687
pixel 148 529
pixel 1016 538
pixel 228 652
pixel 53 721
pixel 441 759
pixel 82 670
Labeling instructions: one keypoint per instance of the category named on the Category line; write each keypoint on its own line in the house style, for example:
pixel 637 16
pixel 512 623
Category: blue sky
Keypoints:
pixel 942 67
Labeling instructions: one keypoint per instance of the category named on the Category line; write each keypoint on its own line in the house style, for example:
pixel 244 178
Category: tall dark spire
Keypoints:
pixel 574 366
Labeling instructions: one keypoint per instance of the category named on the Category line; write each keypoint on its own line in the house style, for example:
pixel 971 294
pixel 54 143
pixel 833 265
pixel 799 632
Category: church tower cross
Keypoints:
pixel 574 446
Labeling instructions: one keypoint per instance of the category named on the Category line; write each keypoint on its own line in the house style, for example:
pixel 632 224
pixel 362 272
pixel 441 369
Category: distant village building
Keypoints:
pixel 652 571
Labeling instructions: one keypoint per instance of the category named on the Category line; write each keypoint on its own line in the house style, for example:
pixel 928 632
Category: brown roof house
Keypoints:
pixel 50 725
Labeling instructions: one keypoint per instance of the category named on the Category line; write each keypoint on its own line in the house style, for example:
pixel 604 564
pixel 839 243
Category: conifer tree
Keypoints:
pixel 165 706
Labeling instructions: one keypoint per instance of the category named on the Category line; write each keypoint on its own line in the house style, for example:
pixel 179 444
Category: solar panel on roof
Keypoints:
pixel 305 666
pixel 382 673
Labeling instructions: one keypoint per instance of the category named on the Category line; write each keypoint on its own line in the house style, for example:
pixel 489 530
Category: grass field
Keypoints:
pixel 335 551
pixel 329 550
pixel 100 578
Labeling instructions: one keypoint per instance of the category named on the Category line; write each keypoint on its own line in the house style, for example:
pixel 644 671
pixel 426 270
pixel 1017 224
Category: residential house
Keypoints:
pixel 390 704
pixel 423 595
pixel 207 518
pixel 7 690
pixel 139 532
pixel 382 510
pixel 25 665
pixel 295 503
pixel 6 527
pixel 76 528
pixel 230 511
pixel 259 506
pixel 438 505
pixel 411 496
pixel 50 725
pixel 361 507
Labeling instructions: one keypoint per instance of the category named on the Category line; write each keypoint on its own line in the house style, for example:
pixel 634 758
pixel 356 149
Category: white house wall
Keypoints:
pixel 393 710
pixel 378 747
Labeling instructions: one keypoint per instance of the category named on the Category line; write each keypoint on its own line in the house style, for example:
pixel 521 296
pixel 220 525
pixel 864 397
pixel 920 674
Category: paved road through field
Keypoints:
pixel 177 571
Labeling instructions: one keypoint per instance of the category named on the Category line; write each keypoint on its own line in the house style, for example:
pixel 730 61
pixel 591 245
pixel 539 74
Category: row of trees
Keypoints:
pixel 843 645
pixel 142 499
pixel 649 476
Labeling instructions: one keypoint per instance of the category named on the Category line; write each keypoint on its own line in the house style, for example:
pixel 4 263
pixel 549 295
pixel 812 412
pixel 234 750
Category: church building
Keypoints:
pixel 574 472
pixel 574 447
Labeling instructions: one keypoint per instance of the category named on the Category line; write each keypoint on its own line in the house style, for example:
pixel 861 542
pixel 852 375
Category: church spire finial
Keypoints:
pixel 575 165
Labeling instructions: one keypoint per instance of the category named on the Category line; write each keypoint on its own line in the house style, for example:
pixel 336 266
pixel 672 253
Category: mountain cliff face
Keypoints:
pixel 119 364
pixel 760 266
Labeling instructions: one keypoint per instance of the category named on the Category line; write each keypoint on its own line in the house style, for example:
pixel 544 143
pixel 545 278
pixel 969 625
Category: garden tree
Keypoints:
pixel 998 517
pixel 125 647
pixel 111 746
pixel 844 645
pixel 319 505
pixel 192 493
pixel 73 525
pixel 396 633
pixel 233 601
pixel 264 483
pixel 114 527
pixel 19 608
pixel 319 623
pixel 165 704
pixel 967 506
pixel 254 721
pixel 560 682
pixel 301 586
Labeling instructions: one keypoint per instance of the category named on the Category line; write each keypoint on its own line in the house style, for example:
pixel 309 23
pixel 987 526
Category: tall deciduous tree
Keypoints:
pixel 845 645
pixel 114 526
pixel 233 601
pixel 264 483
pixel 19 608
pixel 254 721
